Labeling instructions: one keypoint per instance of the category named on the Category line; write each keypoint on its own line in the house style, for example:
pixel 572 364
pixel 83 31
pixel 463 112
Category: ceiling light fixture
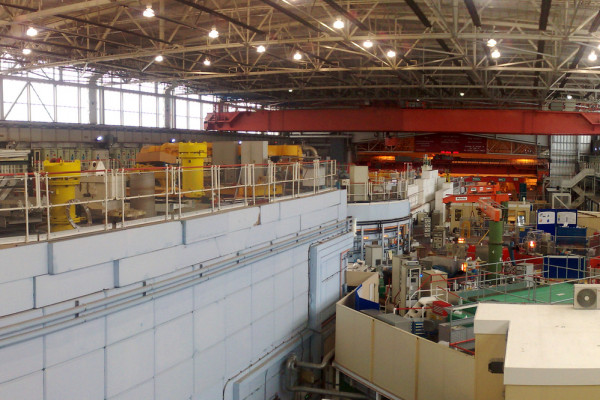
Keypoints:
pixel 592 56
pixel 214 33
pixel 26 51
pixel 297 56
pixel 207 61
pixel 496 53
pixel 391 53
pixel 569 97
pixel 367 44
pixel 159 58
pixel 261 49
pixel 31 31
pixel 491 43
pixel 462 94
pixel 338 24
pixel 148 12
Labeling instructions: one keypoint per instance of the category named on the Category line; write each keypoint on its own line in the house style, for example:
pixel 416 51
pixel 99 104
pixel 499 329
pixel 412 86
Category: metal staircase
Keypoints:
pixel 571 182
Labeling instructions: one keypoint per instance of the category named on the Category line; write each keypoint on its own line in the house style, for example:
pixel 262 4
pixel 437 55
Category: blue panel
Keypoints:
pixel 561 267
pixel 570 235
pixel 547 224
pixel 363 304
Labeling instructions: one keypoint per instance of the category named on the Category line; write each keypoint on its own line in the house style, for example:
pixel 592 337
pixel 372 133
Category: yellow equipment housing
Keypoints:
pixel 63 177
pixel 192 156
pixel 289 151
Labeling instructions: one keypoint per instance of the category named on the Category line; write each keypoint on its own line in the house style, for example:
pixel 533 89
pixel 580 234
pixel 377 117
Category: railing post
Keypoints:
pixel 47 205
pixel 213 182
pixel 315 173
pixel 114 192
pixel 167 193
pixel 26 208
pixel 38 190
pixel 123 196
pixel 179 188
pixel 244 173
pixel 218 173
pixel 253 181
pixel 294 178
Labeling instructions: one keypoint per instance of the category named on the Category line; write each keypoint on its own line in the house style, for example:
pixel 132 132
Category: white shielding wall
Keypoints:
pixel 186 345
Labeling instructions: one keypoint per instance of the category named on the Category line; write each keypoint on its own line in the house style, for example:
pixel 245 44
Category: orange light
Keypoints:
pixel 461 240
pixel 385 158
pixel 463 267
pixel 532 243
pixel 365 238
pixel 385 236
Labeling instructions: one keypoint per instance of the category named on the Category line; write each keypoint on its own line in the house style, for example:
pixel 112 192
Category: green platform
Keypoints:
pixel 559 292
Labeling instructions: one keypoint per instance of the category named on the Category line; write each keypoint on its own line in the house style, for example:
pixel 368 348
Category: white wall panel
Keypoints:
pixel 23 262
pixel 79 378
pixel 176 383
pixel 21 359
pixel 174 342
pixel 16 296
pixel 28 387
pixel 71 343
pixel 189 343
pixel 129 363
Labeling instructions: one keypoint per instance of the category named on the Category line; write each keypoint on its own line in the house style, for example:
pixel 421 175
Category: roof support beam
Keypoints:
pixel 541 46
pixel 346 14
pixel 292 15
pixel 220 15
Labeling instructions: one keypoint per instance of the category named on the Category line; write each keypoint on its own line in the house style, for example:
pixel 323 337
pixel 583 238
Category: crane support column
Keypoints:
pixel 495 246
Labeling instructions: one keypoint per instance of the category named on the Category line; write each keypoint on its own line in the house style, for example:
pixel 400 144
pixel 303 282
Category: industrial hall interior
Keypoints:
pixel 299 199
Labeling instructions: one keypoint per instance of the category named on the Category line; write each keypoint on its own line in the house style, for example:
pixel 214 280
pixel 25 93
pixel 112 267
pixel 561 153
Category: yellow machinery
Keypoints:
pixel 62 179
pixel 286 151
pixel 192 156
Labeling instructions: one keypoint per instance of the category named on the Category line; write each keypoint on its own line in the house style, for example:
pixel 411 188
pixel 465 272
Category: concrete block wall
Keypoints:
pixel 186 345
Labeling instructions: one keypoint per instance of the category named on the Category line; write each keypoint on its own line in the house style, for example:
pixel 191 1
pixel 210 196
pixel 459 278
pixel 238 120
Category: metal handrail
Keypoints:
pixel 108 194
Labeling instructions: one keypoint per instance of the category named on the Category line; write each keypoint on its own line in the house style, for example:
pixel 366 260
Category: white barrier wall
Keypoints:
pixel 189 344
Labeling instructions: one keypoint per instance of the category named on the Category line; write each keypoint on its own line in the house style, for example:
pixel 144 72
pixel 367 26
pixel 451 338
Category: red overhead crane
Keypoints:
pixel 390 119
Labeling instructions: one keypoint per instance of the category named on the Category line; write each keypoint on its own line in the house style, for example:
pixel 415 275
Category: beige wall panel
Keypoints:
pixel 25 134
pixel 369 281
pixel 74 135
pixel 590 220
pixel 89 135
pixel 394 357
pixel 353 351
pixel 552 392
pixel 488 386
pixel 36 134
pixel 445 374
pixel 13 134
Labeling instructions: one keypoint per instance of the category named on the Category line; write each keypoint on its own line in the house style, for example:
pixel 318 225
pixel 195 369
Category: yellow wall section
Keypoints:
pixel 552 392
pixel 489 386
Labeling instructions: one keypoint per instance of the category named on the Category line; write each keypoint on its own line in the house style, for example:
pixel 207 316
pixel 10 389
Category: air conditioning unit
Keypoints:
pixel 586 297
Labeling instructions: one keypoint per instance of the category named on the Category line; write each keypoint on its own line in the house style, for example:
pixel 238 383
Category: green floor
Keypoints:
pixel 559 292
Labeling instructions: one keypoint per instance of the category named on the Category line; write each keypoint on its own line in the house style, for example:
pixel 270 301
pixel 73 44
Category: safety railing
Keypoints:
pixel 381 190
pixel 40 206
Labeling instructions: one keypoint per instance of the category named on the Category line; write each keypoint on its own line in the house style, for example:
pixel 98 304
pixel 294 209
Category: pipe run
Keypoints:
pixel 292 364
pixel 49 323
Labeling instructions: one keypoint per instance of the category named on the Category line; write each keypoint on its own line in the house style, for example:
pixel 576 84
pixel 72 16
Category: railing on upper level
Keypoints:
pixel 41 206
